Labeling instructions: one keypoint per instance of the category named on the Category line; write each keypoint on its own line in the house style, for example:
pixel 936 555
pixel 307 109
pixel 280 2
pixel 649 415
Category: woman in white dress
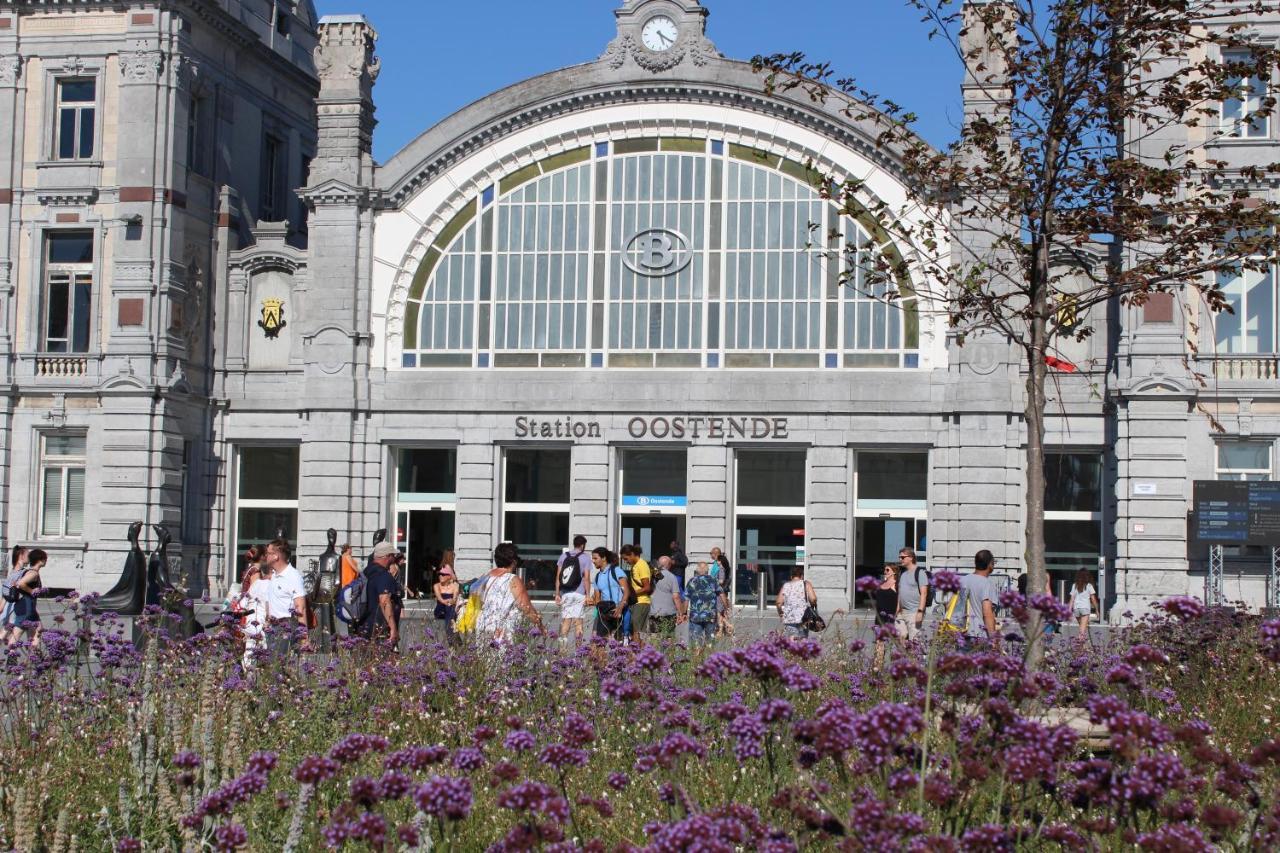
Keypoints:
pixel 503 597
pixel 1084 600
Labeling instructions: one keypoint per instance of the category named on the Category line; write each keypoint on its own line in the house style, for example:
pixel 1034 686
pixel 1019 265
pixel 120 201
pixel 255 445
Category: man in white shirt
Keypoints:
pixel 286 599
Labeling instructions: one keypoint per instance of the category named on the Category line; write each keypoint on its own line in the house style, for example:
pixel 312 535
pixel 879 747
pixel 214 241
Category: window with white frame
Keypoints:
pixel 271 202
pixel 68 291
pixel 75 108
pixel 1073 496
pixel 1243 460
pixel 62 466
pixel 535 513
pixel 266 497
pixel 1240 113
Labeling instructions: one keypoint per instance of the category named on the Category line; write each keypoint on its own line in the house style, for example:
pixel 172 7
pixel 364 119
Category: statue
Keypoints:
pixel 330 565
pixel 129 595
pixel 379 535
pixel 158 581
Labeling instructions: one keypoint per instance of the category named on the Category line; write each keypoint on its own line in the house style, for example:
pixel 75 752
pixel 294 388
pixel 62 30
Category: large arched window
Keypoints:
pixel 650 253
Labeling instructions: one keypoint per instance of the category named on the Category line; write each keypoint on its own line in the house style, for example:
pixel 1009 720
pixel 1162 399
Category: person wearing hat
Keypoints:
pixel 446 592
pixel 380 623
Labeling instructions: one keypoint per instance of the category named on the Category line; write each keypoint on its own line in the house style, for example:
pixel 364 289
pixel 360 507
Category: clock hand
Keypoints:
pixel 666 40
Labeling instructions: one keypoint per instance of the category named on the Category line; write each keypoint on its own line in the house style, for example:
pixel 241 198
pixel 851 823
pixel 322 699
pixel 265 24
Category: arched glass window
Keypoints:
pixel 655 253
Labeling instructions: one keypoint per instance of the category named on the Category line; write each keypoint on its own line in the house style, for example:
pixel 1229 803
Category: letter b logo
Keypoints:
pixel 657 252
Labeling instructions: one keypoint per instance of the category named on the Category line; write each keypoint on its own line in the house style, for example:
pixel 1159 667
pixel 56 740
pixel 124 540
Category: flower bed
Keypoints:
pixel 779 744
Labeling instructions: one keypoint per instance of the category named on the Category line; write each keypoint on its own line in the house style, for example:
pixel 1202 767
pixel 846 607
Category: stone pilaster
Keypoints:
pixel 589 509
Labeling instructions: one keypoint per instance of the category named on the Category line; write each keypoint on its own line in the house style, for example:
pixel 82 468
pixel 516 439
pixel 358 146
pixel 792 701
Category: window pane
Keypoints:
pixel 66 134
pixel 64 445
pixel 56 329
pixel 1073 544
pixel 259 526
pixel 1244 456
pixel 771 478
pixel 654 472
pixel 537 476
pixel 81 315
pixel 428 471
pixel 1073 482
pixel 51 511
pixel 540 537
pixel 70 247
pixel 77 91
pixel 86 134
pixel 269 473
pixel 893 476
pixel 75 501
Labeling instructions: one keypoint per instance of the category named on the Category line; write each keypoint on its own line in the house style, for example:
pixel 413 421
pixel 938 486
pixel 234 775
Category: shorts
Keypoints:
pixel 906 627
pixel 797 630
pixel 606 625
pixel 640 618
pixel 571 605
pixel 702 632
pixel 663 625
pixel 1083 611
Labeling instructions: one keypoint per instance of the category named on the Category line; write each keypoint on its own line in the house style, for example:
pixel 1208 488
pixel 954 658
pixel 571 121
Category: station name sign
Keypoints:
pixel 660 427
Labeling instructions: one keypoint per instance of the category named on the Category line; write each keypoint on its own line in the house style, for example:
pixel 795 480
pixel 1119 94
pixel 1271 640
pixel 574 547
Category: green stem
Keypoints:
pixel 924 737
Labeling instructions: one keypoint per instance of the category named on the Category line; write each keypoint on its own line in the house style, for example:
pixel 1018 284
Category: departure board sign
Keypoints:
pixel 1235 513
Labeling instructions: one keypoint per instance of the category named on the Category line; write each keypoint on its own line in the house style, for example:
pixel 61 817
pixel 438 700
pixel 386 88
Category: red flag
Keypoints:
pixel 1059 364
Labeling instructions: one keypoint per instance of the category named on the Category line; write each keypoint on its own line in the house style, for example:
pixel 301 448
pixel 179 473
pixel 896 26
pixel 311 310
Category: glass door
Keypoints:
pixel 535 512
pixel 769 516
pixel 891 509
pixel 653 497
pixel 426 497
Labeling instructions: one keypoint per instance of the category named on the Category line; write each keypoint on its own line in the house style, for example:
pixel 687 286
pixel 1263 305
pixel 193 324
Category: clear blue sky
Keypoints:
pixel 440 55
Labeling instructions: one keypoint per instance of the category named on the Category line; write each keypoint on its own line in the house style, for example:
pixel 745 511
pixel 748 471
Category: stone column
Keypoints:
pixel 708 511
pixel 827 537
pixel 476 522
pixel 589 508
pixel 12 120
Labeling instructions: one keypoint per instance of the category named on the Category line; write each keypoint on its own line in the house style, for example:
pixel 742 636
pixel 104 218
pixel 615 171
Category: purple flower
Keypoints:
pixel 187 760
pixel 262 762
pixel 519 740
pixel 1174 836
pixel 1269 634
pixel 230 837
pixel 364 791
pixel 676 745
pixel 1143 654
pixel 946 581
pixel 619 781
pixel 987 838
pixel 774 710
pixel 560 756
pixel 393 785
pixel 371 828
pixel 353 747
pixel 535 797
pixel 408 836
pixel 444 797
pixel 416 757
pixel 315 769
pixel 129 845
pixel 1051 608
pixel 468 758
pixel 868 584
pixel 1184 607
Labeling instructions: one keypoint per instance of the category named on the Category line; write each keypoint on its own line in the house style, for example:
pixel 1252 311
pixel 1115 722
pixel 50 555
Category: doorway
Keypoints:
pixel 428 533
pixel 880 539
pixel 653 533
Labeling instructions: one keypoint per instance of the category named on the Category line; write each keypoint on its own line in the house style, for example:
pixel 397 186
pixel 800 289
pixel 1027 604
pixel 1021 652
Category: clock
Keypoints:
pixel 659 33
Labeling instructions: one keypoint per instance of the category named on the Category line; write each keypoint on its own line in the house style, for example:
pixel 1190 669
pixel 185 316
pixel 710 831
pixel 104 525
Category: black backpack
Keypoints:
pixel 571 575
pixel 928 579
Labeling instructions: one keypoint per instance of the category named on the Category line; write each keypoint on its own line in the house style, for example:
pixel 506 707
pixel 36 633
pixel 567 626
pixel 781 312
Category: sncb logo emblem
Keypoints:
pixel 657 252
pixel 642 501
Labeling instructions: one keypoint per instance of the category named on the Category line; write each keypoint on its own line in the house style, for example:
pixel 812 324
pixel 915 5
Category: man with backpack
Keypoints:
pixel 573 585
pixel 379 622
pixel 914 596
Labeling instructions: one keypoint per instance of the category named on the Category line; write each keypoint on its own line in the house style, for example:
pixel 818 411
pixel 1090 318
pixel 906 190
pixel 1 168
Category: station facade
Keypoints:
pixel 609 300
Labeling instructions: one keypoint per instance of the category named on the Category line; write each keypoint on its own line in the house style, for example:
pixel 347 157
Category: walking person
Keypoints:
pixel 704 597
pixel 17 562
pixel 886 603
pixel 446 591
pixel 642 579
pixel 252 604
pixel 573 585
pixel 26 615
pixel 972 613
pixel 913 594
pixel 609 593
pixel 503 597
pixel 679 561
pixel 667 609
pixel 1084 600
pixel 380 624
pixel 286 600
pixel 796 596
pixel 722 571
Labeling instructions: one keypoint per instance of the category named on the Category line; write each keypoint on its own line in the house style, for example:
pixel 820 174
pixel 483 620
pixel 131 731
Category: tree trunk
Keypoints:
pixel 1033 413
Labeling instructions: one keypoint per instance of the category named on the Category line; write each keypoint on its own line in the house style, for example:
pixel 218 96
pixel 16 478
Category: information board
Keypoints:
pixel 1235 513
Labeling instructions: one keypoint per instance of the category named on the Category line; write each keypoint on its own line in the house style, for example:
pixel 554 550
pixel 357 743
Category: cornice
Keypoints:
pixel 569 103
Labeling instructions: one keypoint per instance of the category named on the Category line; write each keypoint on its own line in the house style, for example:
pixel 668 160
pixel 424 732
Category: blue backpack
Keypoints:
pixel 353 600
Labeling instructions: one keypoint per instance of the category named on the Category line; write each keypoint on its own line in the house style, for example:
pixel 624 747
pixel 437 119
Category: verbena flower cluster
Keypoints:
pixel 1161 739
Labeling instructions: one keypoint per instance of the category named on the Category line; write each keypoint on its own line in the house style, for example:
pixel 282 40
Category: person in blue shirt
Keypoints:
pixel 609 593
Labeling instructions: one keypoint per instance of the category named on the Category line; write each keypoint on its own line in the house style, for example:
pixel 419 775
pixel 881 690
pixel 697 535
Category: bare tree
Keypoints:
pixel 1090 132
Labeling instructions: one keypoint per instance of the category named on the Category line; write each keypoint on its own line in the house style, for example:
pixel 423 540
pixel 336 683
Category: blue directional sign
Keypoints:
pixel 655 501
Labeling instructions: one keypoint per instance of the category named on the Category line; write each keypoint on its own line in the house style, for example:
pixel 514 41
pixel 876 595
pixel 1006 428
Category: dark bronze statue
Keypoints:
pixel 129 595
pixel 158 581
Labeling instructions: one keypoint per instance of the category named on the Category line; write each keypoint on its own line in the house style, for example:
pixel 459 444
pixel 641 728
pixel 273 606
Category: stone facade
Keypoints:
pixel 263 341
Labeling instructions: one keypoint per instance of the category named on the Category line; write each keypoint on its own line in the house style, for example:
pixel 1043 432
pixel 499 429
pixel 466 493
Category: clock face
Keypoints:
pixel 659 33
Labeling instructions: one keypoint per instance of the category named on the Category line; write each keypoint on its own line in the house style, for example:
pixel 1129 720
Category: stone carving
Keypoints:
pixel 10 69
pixel 141 66
pixel 345 52
pixel 73 65
pixel 615 55
pixel 129 595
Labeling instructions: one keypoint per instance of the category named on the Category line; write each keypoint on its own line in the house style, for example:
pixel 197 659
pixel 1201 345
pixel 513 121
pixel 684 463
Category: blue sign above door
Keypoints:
pixel 655 501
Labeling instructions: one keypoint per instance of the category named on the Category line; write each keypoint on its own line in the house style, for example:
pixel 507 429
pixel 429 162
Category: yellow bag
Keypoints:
pixel 466 621
pixel 947 628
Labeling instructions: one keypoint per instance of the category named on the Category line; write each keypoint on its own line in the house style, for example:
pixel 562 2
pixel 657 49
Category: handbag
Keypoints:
pixel 812 621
